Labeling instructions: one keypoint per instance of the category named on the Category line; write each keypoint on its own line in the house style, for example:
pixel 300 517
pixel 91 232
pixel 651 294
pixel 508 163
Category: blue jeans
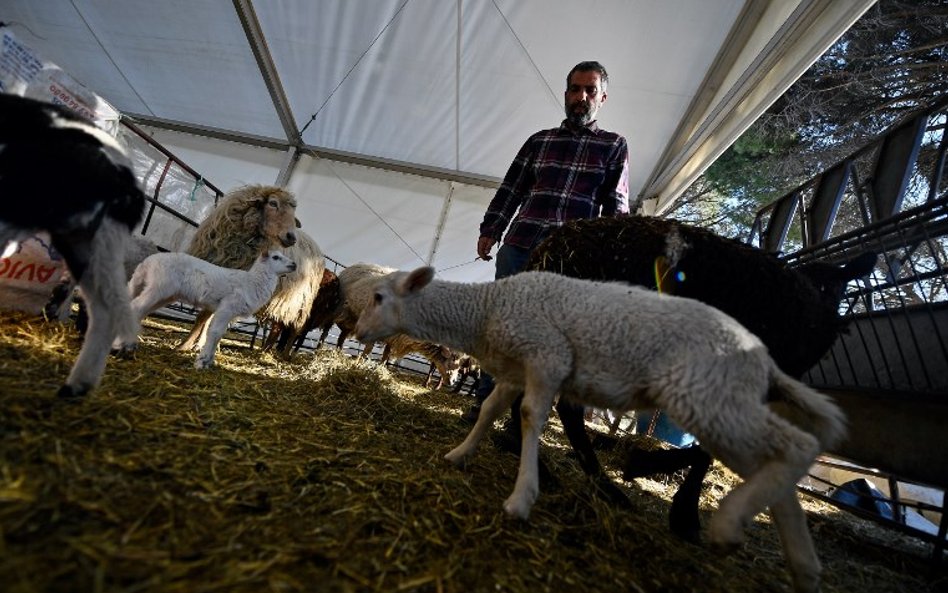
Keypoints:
pixel 510 260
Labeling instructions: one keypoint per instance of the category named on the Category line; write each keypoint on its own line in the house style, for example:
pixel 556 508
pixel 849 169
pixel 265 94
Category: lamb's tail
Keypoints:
pixel 810 410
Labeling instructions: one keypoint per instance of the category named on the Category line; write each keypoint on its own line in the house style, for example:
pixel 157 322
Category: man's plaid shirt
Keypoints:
pixel 559 174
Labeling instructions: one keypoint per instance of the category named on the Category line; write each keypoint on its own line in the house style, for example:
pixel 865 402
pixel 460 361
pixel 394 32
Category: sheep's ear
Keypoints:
pixel 417 279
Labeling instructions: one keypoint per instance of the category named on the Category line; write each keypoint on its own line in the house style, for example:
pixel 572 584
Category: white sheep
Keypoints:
pixel 164 278
pixel 62 174
pixel 621 347
pixel 356 284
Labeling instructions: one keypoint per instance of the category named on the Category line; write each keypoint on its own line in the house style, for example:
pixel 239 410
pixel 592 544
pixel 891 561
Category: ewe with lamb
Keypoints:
pixel 245 223
pixel 544 334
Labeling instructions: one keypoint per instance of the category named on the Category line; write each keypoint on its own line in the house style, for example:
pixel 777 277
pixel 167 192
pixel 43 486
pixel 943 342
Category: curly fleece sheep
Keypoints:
pixel 546 334
pixel 245 223
pixel 88 206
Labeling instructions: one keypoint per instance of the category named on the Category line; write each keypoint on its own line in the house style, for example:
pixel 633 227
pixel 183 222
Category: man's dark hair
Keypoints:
pixel 590 66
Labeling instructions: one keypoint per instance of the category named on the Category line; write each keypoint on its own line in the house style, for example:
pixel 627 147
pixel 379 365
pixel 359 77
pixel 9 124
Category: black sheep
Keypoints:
pixel 61 174
pixel 793 311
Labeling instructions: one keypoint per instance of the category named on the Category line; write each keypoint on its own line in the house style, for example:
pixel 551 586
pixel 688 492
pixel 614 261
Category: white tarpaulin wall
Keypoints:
pixel 416 107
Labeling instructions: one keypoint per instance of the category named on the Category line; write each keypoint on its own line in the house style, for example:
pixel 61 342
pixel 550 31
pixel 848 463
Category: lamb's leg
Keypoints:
pixel 198 330
pixel 103 287
pixel 797 544
pixel 574 424
pixel 493 407
pixel 537 403
pixel 215 331
pixel 771 458
pixel 322 336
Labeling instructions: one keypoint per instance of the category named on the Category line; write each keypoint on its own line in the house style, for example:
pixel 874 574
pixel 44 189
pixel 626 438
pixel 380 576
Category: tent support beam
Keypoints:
pixel 809 31
pixel 743 29
pixel 268 70
pixel 324 153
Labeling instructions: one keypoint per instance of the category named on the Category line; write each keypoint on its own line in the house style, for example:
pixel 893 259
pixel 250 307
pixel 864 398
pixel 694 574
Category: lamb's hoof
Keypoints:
pixel 517 509
pixel 125 351
pixel 726 534
pixel 686 529
pixel 203 364
pixel 71 392
pixel 457 458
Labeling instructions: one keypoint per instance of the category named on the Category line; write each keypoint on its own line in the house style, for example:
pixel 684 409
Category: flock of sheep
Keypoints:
pixel 718 346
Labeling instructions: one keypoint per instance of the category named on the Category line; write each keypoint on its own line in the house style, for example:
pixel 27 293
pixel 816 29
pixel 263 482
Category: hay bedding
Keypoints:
pixel 322 474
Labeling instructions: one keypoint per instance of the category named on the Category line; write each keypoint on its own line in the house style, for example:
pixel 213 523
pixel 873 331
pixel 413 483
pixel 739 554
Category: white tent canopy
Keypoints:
pixel 394 120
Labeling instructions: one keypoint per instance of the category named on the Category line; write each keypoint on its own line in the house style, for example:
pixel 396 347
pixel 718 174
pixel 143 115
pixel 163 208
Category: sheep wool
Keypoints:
pixel 543 334
pixel 164 278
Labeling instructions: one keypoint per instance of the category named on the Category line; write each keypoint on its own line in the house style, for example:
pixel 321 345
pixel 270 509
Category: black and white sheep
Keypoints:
pixel 165 278
pixel 60 305
pixel 89 208
pixel 547 334
pixel 794 311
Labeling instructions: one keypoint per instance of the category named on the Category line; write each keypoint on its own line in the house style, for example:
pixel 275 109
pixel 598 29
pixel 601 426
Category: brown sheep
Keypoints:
pixel 245 223
pixel 447 361
pixel 322 314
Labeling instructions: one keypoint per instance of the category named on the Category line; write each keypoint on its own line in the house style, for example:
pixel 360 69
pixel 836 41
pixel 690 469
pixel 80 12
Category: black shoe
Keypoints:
pixel 470 417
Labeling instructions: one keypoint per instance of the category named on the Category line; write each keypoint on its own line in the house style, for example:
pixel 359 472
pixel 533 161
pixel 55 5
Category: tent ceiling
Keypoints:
pixel 440 88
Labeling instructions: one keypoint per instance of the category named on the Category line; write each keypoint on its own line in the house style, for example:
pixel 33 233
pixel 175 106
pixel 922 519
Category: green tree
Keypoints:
pixel 892 61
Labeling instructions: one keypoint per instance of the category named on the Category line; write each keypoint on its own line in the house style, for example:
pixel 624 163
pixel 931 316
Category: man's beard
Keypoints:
pixel 580 118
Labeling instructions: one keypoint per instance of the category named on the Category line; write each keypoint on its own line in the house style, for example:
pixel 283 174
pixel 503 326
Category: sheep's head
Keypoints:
pixel 277 262
pixel 451 363
pixel 831 280
pixel 278 221
pixel 383 316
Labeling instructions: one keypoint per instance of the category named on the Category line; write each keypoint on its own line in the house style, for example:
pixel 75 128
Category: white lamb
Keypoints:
pixel 164 278
pixel 621 347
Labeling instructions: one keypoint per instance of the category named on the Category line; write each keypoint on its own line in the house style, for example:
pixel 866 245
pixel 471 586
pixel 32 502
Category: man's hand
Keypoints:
pixel 484 245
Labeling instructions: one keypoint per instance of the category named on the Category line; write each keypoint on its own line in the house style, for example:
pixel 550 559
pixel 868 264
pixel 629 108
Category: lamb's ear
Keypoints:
pixel 417 279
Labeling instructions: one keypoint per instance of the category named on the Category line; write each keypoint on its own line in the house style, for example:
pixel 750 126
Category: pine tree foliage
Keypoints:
pixel 894 60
